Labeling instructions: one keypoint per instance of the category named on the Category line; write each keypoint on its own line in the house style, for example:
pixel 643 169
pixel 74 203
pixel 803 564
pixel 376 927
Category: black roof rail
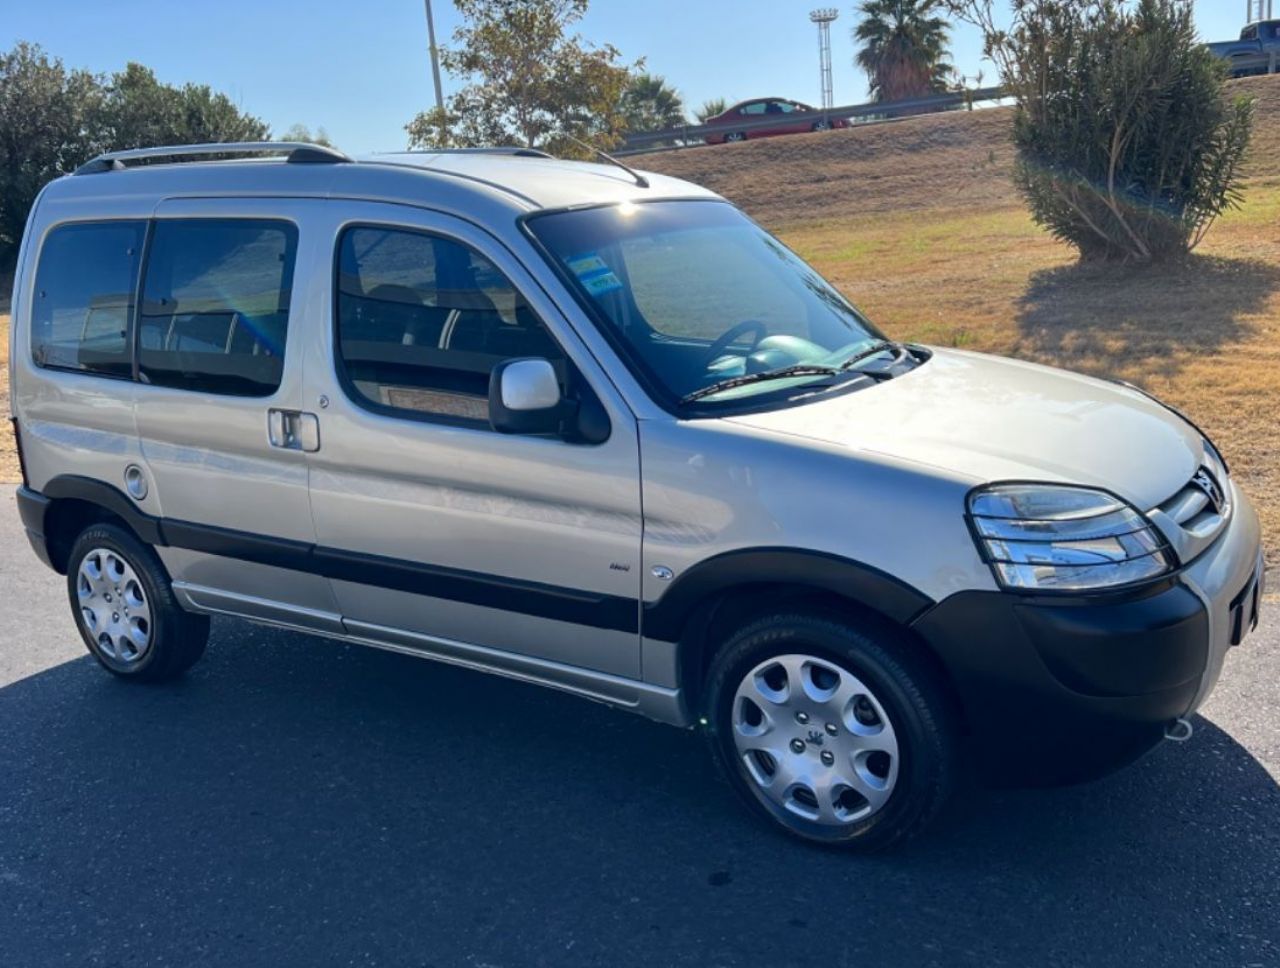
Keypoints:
pixel 298 152
pixel 515 150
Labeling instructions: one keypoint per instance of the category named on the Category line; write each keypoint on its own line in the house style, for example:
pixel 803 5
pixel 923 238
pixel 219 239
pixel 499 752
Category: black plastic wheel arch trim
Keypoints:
pixel 75 488
pixel 32 506
pixel 597 610
pixel 666 618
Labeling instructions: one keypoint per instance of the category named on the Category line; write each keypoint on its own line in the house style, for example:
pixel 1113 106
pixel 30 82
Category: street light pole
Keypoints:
pixel 823 19
pixel 435 57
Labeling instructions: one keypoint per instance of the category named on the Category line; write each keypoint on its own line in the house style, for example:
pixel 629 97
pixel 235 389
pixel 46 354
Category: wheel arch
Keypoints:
pixel 711 600
pixel 76 502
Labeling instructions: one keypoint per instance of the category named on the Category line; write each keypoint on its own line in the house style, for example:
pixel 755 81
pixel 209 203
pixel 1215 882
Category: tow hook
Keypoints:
pixel 1179 730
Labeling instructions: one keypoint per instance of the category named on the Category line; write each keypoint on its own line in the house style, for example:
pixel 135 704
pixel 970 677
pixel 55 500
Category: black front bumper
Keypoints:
pixel 1058 690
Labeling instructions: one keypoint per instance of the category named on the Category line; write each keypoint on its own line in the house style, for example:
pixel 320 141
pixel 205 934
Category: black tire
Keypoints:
pixel 734 136
pixel 822 126
pixel 902 682
pixel 176 638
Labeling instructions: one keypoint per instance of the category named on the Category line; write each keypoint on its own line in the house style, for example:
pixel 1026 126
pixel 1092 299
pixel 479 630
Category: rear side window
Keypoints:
pixel 84 297
pixel 423 320
pixel 215 305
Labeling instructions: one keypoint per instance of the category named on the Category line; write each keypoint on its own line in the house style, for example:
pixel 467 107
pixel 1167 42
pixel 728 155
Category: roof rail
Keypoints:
pixel 298 152
pixel 515 150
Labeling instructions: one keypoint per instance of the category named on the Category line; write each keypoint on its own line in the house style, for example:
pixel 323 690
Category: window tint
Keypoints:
pixel 215 305
pixel 422 321
pixel 84 297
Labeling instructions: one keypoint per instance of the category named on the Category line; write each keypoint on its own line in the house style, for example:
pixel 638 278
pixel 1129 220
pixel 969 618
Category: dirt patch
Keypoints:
pixel 914 164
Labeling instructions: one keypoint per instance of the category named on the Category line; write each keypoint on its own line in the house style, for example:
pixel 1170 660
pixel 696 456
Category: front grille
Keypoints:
pixel 1193 517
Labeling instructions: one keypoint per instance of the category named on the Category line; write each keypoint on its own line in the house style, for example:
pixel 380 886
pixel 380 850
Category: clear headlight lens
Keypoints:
pixel 1057 538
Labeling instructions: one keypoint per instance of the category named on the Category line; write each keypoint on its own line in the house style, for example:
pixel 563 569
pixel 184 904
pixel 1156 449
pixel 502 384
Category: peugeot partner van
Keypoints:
pixel 597 430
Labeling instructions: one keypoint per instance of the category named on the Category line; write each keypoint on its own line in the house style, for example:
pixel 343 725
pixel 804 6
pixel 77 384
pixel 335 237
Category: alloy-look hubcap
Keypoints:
pixel 113 606
pixel 814 739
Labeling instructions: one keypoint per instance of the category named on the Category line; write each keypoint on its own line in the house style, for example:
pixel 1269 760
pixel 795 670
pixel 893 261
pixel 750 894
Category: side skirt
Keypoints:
pixel 655 702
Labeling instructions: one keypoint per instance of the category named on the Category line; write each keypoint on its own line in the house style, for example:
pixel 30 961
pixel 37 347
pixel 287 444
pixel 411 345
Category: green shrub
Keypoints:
pixel 1128 146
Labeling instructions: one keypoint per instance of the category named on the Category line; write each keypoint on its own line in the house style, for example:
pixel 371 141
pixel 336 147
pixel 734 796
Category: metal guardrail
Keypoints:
pixel 694 134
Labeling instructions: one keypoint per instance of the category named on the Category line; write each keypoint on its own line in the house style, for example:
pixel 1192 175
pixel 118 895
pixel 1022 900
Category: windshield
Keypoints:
pixel 703 302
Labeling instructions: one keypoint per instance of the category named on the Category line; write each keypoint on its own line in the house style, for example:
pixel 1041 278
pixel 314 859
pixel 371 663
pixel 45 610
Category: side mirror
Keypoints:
pixel 524 398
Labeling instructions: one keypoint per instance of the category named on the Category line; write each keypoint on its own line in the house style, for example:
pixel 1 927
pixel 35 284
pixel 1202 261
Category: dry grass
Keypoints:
pixel 918 222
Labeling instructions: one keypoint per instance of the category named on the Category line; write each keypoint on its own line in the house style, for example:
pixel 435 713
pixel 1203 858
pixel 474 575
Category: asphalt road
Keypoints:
pixel 299 802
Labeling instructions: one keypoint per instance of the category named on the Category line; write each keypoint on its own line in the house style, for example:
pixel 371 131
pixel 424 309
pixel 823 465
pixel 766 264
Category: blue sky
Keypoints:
pixel 360 68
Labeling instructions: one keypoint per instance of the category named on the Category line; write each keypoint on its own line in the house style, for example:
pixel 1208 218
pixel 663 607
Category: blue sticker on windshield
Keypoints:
pixel 594 274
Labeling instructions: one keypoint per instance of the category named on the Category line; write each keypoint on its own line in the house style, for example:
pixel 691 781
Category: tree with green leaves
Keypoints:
pixel 53 119
pixel 1128 146
pixel 528 81
pixel 710 108
pixel 651 104
pixel 138 110
pixel 45 131
pixel 902 47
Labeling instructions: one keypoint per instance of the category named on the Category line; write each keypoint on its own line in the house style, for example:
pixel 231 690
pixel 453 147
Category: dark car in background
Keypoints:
pixel 767 116
pixel 1256 52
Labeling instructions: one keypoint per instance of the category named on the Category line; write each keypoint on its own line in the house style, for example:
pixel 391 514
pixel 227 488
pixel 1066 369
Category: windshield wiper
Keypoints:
pixel 878 347
pixel 782 373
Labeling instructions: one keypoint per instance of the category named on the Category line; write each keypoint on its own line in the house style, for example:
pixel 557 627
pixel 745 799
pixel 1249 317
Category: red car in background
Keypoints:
pixel 738 120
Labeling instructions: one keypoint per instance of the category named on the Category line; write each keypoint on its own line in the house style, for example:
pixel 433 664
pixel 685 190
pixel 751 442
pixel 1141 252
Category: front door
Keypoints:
pixel 427 521
pixel 220 343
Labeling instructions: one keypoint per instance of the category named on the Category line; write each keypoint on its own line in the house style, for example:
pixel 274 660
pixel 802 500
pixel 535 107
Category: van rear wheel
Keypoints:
pixel 125 610
pixel 831 732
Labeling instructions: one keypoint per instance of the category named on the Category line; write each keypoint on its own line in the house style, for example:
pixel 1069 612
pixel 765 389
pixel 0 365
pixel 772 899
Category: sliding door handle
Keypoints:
pixel 293 430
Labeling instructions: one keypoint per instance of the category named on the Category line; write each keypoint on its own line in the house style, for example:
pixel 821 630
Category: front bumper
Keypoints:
pixel 1060 689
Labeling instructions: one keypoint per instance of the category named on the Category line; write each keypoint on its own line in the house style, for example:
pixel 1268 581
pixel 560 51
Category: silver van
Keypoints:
pixel 595 429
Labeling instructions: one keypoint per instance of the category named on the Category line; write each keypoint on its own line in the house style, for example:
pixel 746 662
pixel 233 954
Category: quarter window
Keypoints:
pixel 422 321
pixel 84 297
pixel 215 305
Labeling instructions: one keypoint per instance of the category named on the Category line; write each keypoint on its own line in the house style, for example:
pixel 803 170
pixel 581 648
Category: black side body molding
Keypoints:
pixel 666 618
pixel 612 612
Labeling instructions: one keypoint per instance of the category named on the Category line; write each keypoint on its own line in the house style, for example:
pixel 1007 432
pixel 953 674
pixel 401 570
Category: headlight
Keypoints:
pixel 1057 538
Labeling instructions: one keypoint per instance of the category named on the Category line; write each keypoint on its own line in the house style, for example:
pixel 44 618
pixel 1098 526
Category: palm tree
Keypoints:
pixel 711 107
pixel 903 48
pixel 651 104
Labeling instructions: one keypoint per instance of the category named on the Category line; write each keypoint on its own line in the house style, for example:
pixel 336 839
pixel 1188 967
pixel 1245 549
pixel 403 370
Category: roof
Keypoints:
pixel 543 182
pixel 471 182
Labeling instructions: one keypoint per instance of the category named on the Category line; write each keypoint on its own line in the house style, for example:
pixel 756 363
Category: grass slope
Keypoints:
pixel 918 222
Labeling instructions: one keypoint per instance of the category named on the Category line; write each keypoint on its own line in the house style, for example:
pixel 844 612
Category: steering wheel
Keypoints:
pixel 727 339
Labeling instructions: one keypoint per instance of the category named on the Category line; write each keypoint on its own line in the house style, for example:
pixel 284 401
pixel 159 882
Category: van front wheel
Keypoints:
pixel 124 608
pixel 836 734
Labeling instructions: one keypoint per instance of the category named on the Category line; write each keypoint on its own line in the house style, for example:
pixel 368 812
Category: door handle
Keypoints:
pixel 293 430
